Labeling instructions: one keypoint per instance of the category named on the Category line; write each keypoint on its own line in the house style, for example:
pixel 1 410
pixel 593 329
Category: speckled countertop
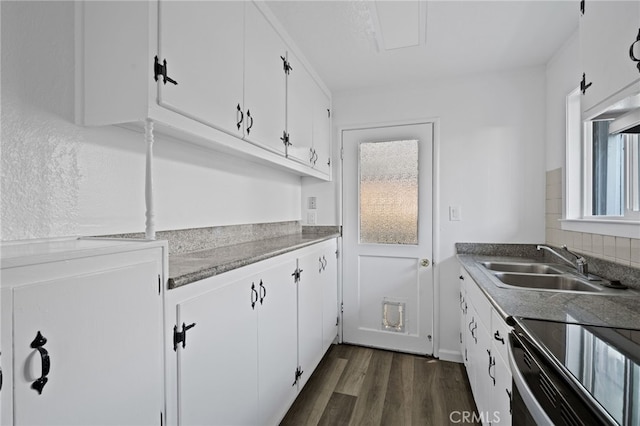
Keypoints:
pixel 606 310
pixel 185 268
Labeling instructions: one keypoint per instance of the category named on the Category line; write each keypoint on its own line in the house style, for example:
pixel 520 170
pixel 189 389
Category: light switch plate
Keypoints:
pixel 454 213
pixel 312 203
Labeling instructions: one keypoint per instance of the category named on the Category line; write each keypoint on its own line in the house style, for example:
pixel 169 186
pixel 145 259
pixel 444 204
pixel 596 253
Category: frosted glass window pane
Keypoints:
pixel 389 192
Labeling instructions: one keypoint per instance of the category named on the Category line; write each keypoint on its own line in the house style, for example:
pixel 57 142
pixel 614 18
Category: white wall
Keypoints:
pixel 563 76
pixel 491 164
pixel 60 179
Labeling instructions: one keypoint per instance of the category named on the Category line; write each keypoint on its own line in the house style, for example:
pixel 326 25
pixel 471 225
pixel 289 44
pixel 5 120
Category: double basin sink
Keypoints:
pixel 548 277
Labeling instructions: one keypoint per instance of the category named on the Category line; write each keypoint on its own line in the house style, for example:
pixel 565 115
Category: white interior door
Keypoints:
pixel 387 218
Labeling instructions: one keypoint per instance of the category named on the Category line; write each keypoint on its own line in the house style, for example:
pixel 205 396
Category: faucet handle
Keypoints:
pixel 577 256
pixel 582 266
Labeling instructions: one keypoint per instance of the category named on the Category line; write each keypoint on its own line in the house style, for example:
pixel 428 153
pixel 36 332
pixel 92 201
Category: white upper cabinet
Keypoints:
pixel 265 82
pixel 322 130
pixel 308 119
pixel 607 31
pixel 211 73
pixel 300 102
pixel 203 43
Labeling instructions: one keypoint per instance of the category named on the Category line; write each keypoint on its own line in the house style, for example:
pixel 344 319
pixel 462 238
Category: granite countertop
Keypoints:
pixel 185 268
pixel 605 310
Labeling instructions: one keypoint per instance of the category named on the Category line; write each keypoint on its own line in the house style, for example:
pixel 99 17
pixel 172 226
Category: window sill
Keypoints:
pixel 616 228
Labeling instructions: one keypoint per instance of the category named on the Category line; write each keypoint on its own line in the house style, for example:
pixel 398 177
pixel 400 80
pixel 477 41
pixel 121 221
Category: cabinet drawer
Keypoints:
pixel 476 297
pixel 499 334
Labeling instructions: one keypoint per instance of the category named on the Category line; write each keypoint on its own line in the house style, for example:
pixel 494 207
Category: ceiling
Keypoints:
pixel 356 44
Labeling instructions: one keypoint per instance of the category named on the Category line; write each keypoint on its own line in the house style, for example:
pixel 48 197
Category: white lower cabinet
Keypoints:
pixel 217 369
pixel 484 342
pixel 317 305
pixel 309 314
pixel 329 276
pixel 277 342
pixel 252 337
pixel 82 333
pixel 84 340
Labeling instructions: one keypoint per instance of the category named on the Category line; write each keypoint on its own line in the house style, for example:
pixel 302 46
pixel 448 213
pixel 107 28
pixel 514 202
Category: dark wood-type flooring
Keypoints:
pixel 362 386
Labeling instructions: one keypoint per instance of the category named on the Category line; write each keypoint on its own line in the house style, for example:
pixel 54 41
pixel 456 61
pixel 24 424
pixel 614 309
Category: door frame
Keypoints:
pixel 435 224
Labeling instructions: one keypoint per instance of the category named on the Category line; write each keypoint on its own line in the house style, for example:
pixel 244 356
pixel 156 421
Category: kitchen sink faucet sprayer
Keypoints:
pixel 581 263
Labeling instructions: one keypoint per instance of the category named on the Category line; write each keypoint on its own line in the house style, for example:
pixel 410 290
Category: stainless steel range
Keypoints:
pixel 574 374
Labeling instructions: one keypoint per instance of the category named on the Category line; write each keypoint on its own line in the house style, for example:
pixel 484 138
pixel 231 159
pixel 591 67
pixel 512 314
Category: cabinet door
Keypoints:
pixel 485 373
pixel 218 368
pixel 329 277
pixel 104 343
pixel 607 30
pixel 277 341
pixel 300 103
pixel 264 82
pixel 472 350
pixel 501 394
pixel 322 130
pixel 310 313
pixel 463 318
pixel 203 43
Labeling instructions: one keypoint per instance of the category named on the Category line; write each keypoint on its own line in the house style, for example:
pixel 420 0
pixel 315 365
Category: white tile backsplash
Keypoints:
pixel 625 251
pixel 609 246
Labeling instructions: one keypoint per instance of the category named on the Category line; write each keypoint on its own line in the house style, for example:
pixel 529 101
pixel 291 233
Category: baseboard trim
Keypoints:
pixel 453 356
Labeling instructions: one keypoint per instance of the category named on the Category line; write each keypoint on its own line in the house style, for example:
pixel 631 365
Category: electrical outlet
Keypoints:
pixel 311 218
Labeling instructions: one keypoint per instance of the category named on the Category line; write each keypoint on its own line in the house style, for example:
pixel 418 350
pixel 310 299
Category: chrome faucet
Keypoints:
pixel 580 264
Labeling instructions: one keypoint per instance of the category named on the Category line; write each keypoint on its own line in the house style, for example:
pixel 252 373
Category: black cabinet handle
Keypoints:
pixel 498 337
pixel 323 264
pixel 239 110
pixel 38 344
pixel 253 293
pixel 249 117
pixel 461 277
pixel 263 292
pixel 633 57
pixel 492 363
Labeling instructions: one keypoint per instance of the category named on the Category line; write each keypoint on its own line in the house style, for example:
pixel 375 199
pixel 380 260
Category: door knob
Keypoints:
pixel 424 262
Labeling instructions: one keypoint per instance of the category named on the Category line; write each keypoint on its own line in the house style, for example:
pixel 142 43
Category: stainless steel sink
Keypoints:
pixel 547 277
pixel 529 268
pixel 549 282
